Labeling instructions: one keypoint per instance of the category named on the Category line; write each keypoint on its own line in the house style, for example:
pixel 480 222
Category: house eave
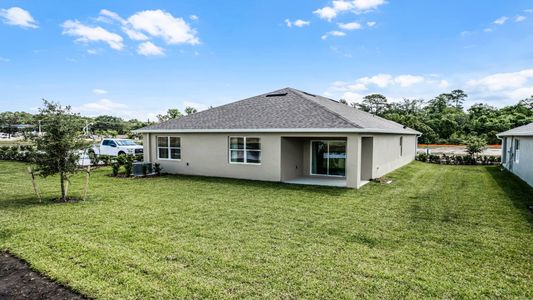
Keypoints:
pixel 280 130
pixel 514 134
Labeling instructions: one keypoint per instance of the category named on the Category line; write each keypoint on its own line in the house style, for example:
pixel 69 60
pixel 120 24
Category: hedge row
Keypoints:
pixel 19 153
pixel 458 159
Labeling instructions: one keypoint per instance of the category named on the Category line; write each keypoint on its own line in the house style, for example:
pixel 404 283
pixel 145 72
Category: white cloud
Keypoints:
pixel 17 16
pixel 301 23
pixel 108 16
pixel 99 91
pixel 497 89
pixel 501 20
pixel 333 33
pixel 92 51
pixel 381 80
pixel 149 49
pixel 529 10
pixel 365 5
pixel 408 80
pixel 521 93
pixel 162 24
pixel 370 23
pixel 134 35
pixel 352 97
pixel 327 13
pixel 503 81
pixel 519 18
pixel 4 59
pixel 349 26
pixel 487 30
pixel 112 16
pixel 88 34
pixel 297 23
pixel 144 25
pixel 102 105
pixel 339 6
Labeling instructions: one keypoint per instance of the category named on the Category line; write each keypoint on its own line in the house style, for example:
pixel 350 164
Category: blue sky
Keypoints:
pixel 136 59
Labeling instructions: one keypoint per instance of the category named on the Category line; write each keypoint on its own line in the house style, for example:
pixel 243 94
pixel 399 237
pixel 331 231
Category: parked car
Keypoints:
pixel 116 147
pixel 3 135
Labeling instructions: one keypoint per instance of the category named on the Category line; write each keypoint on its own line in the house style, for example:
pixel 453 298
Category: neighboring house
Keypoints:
pixel 286 135
pixel 517 151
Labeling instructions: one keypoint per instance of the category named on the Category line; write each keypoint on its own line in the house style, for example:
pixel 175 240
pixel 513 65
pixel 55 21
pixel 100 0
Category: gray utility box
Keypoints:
pixel 138 168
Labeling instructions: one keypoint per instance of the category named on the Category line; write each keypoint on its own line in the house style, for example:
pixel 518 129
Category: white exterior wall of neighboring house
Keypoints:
pixel 522 165
pixel 283 155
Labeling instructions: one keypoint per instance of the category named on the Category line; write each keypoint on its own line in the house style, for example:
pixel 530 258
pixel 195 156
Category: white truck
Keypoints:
pixel 116 147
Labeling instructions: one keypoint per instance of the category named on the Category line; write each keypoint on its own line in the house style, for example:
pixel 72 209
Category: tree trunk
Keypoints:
pixel 62 177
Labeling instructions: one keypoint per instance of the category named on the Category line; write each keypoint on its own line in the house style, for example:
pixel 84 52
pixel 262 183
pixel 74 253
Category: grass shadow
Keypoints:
pixel 31 202
pixel 517 190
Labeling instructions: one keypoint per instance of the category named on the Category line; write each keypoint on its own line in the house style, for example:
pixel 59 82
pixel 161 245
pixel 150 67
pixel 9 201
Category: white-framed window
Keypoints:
pixel 169 147
pixel 516 150
pixel 401 146
pixel 244 150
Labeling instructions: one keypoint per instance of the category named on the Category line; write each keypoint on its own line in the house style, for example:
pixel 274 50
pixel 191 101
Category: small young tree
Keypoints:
pixel 58 148
pixel 475 145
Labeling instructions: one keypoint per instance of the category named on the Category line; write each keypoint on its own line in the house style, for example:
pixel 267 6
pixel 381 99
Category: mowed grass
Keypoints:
pixel 435 232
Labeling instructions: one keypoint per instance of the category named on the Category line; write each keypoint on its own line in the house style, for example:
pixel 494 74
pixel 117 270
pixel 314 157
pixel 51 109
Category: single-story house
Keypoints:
pixel 517 151
pixel 286 135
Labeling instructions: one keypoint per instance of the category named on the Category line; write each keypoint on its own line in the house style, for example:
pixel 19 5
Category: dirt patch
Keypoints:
pixel 19 281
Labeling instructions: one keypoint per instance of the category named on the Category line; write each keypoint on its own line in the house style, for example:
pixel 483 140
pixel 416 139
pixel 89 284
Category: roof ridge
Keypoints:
pixel 327 109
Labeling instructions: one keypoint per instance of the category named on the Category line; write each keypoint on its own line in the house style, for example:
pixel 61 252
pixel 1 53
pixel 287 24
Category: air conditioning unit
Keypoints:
pixel 138 168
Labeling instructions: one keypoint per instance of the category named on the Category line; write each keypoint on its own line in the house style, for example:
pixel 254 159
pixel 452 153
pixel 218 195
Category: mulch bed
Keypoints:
pixel 19 281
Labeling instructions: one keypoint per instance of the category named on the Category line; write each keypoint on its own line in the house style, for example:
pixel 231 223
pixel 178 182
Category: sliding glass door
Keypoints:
pixel 328 158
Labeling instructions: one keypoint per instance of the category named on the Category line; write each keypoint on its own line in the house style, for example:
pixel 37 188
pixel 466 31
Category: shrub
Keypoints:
pixel 157 168
pixel 128 164
pixel 106 159
pixel 121 159
pixel 458 159
pixel 116 168
pixel 475 145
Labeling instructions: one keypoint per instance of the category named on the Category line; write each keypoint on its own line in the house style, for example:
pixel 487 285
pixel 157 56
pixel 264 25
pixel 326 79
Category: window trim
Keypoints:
pixel 311 157
pixel 167 147
pixel 245 157
pixel 401 146
pixel 517 151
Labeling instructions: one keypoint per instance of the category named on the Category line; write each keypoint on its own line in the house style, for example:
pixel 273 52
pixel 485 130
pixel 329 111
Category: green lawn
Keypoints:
pixel 435 232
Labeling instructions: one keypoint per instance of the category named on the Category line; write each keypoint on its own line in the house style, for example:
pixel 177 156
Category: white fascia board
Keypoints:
pixel 515 134
pixel 267 130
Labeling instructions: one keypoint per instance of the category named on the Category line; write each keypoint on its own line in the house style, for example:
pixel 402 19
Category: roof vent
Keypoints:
pixel 277 95
pixel 309 94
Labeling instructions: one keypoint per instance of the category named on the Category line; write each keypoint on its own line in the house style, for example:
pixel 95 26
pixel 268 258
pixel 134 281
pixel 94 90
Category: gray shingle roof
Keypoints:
pixel 281 110
pixel 526 130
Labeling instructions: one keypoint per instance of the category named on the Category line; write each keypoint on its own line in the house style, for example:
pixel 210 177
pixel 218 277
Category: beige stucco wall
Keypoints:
pixel 283 155
pixel 367 154
pixel 386 156
pixel 207 155
pixel 524 167
pixel 292 158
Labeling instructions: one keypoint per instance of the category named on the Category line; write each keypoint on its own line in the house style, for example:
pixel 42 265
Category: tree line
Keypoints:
pixel 443 119
pixel 104 125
